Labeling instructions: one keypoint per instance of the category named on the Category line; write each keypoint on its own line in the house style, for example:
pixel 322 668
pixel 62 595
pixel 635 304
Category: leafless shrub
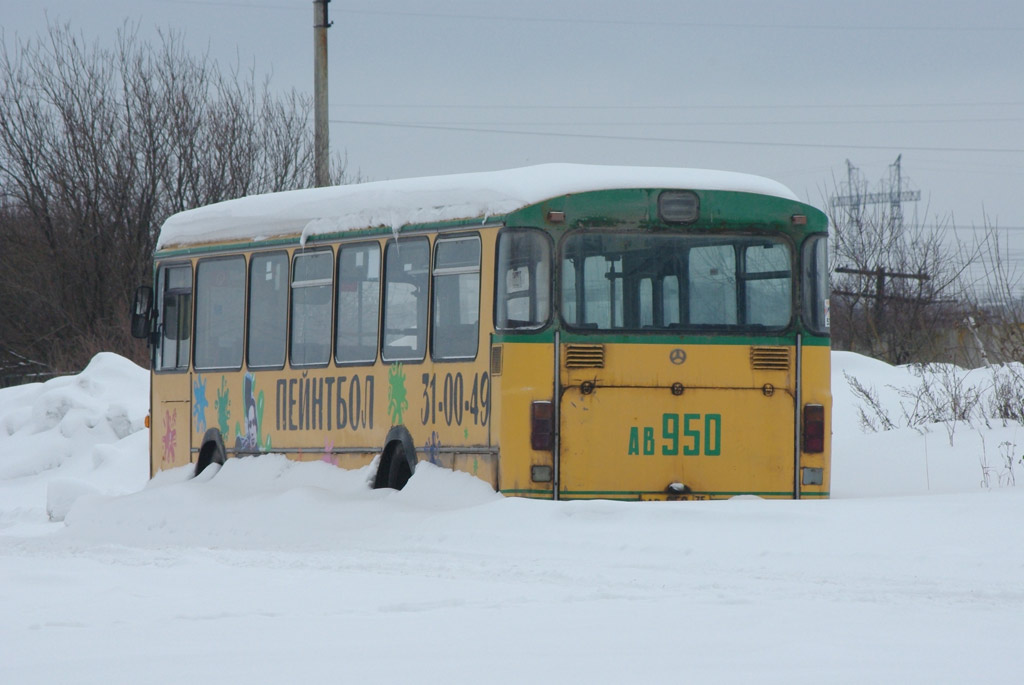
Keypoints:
pixel 872 415
pixel 1006 400
pixel 942 396
pixel 986 468
pixel 1008 453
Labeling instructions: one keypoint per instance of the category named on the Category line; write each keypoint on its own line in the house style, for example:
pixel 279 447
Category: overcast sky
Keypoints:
pixel 782 88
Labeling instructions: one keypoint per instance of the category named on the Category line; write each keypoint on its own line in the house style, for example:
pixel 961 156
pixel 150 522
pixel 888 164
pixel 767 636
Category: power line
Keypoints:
pixel 737 106
pixel 995 227
pixel 817 122
pixel 396 105
pixel 690 24
pixel 661 22
pixel 705 141
pixel 247 5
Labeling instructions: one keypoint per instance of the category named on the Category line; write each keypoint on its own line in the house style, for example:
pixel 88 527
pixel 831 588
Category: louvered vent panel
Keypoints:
pixel 773 358
pixel 496 360
pixel 584 356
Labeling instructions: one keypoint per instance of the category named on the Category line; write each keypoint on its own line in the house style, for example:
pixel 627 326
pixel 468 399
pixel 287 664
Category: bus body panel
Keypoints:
pixel 170 443
pixel 335 413
pixel 340 414
pixel 696 417
pixel 526 376
pixel 817 374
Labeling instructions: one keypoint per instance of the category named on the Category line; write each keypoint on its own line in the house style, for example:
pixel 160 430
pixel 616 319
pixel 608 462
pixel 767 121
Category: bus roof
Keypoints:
pixel 430 199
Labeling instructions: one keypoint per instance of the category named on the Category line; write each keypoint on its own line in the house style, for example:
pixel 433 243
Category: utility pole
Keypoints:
pixel 896 193
pixel 855 200
pixel 885 292
pixel 321 146
pixel 882 299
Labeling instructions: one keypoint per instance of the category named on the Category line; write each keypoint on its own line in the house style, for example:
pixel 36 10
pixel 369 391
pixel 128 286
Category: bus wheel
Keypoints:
pixel 212 451
pixel 397 461
pixel 382 479
pixel 400 471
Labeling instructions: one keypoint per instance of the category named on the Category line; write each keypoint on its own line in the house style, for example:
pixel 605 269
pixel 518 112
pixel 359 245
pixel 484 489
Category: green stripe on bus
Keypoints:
pixel 548 337
pixel 636 494
pixel 332 238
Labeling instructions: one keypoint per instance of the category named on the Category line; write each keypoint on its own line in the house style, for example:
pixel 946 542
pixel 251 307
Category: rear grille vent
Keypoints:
pixel 771 358
pixel 496 360
pixel 584 356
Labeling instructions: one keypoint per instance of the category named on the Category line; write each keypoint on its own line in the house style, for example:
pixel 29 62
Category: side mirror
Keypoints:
pixel 141 311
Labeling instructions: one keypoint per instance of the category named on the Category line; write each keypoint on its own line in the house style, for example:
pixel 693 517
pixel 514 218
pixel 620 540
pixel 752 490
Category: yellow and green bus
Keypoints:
pixel 559 331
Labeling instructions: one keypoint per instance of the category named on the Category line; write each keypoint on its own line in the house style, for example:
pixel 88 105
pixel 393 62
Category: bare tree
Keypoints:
pixel 896 284
pixel 97 147
pixel 997 300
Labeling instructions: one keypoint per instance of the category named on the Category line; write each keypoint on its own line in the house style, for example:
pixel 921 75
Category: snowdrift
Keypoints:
pixel 84 435
pixel 72 435
pixel 269 570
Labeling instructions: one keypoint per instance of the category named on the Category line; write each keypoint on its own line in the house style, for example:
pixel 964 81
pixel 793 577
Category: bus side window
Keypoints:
pixel 456 327
pixel 220 313
pixel 358 303
pixel 174 307
pixel 523 292
pixel 268 309
pixel 406 285
pixel 312 286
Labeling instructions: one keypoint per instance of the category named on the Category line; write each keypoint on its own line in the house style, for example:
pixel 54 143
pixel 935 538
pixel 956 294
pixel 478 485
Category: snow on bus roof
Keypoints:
pixel 430 199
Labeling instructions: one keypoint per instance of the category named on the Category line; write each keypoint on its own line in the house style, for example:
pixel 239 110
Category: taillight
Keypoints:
pixel 542 425
pixel 814 428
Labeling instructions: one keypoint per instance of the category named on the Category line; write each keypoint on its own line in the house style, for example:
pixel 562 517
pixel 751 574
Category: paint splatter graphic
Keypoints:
pixel 397 401
pixel 329 456
pixel 262 440
pixel 433 449
pixel 248 440
pixel 223 406
pixel 200 403
pixel 251 440
pixel 170 437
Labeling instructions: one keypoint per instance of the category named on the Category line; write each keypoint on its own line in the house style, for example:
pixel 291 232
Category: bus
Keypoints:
pixel 559 331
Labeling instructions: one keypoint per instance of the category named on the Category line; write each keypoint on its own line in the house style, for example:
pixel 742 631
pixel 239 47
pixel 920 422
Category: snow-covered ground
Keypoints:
pixel 273 571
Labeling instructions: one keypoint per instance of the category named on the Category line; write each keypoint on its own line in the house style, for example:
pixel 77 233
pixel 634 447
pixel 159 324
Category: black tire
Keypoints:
pixel 382 479
pixel 400 471
pixel 397 460
pixel 212 451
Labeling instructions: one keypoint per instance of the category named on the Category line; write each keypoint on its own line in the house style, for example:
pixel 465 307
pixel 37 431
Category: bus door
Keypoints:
pixel 171 388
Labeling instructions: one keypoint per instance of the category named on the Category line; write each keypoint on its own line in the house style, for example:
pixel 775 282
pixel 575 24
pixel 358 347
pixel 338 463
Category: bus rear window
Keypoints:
pixel 643 282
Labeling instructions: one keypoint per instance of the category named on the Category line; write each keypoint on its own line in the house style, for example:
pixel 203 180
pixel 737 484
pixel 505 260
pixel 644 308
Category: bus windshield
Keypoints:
pixel 643 282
